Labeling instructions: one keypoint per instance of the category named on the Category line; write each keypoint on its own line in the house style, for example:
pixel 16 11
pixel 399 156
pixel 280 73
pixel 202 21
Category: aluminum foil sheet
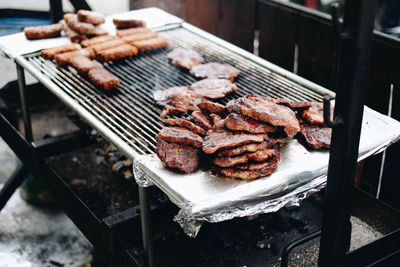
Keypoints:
pixel 202 196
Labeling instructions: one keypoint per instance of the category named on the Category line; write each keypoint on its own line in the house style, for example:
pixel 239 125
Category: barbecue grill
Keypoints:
pixel 128 118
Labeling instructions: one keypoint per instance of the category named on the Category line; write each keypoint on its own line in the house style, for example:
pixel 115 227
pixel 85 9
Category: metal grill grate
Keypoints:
pixel 130 111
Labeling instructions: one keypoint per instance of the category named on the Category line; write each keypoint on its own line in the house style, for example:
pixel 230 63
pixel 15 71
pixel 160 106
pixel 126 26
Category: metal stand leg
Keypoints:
pixel 145 215
pixel 12 184
pixel 25 111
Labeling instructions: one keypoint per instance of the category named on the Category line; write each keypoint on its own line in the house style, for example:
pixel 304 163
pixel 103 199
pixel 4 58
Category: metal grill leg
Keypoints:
pixel 25 111
pixel 16 179
pixel 145 214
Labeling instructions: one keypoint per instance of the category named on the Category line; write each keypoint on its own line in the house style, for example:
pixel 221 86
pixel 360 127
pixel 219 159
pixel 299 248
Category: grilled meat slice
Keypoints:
pixel 186 124
pixel 316 137
pixel 151 44
pixel 128 23
pixel 116 53
pixel 223 140
pixel 179 135
pixel 219 127
pixel 78 26
pixel 215 118
pixel 106 45
pixel 74 36
pixel 91 17
pixel 201 120
pixel 313 115
pixel 98 40
pixel 103 79
pixel 131 31
pixel 263 155
pixel 251 170
pixel 42 32
pixel 65 58
pixel 139 37
pixel 230 161
pixel 82 64
pixel 208 107
pixel 215 70
pixel 293 104
pixel 236 122
pixel 50 53
pixel 243 149
pixel 177 100
pixel 181 157
pixel 213 88
pixel 184 58
pixel 263 109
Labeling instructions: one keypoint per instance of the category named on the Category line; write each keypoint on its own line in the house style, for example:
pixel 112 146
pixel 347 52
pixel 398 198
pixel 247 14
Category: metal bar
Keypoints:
pixel 16 179
pixel 145 214
pixel 353 66
pixel 24 107
pixel 56 10
pixel 374 251
pixel 296 243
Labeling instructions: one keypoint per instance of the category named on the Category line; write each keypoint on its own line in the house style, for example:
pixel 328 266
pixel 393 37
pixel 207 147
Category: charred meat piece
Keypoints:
pixel 43 32
pixel 262 109
pixel 74 36
pixel 82 64
pixel 90 17
pixel 116 53
pixel 263 155
pixel 236 122
pixel 186 124
pixel 243 149
pixel 313 115
pixel 177 100
pixel 103 79
pixel 65 58
pixel 223 140
pixel 181 157
pixel 230 161
pixel 106 45
pixel 316 137
pixel 293 104
pixel 98 40
pixel 184 58
pixel 180 135
pixel 138 37
pixel 251 170
pixel 50 53
pixel 213 88
pixel 208 107
pixel 128 23
pixel 121 33
pixel 201 120
pixel 219 127
pixel 76 25
pixel 151 44
pixel 215 118
pixel 215 70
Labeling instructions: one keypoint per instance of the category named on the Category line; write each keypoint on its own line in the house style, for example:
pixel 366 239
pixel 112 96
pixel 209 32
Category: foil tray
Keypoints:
pixel 202 196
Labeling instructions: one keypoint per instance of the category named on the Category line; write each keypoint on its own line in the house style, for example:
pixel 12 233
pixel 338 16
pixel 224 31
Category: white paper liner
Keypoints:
pixel 204 197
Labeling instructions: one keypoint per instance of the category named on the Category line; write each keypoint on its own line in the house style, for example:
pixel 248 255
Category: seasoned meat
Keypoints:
pixel 251 170
pixel 103 79
pixel 106 45
pixel 138 37
pixel 76 25
pixel 179 135
pixel 201 120
pixel 116 53
pixel 263 155
pixel 98 40
pixel 236 122
pixel 243 149
pixel 65 58
pixel 74 36
pixel 219 127
pixel 294 105
pixel 128 23
pixel 181 157
pixel 90 17
pixel 316 137
pixel 208 107
pixel 184 58
pixel 313 115
pixel 223 140
pixel 43 32
pixel 230 161
pixel 82 64
pixel 176 100
pixel 121 33
pixel 50 53
pixel 262 109
pixel 215 70
pixel 215 118
pixel 213 88
pixel 186 124
pixel 151 44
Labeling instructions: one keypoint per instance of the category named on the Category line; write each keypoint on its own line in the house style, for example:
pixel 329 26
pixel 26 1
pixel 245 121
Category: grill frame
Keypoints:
pixel 32 63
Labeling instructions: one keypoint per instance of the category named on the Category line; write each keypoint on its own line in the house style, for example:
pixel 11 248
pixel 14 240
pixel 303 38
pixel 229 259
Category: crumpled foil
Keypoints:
pixel 202 196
